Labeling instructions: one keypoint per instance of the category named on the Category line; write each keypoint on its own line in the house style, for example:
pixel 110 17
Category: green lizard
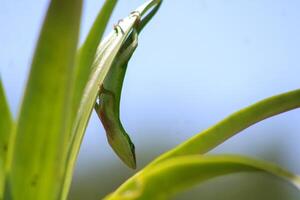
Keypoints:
pixel 108 105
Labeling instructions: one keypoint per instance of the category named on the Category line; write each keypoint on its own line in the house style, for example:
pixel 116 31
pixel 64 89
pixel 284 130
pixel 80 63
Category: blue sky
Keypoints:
pixel 197 62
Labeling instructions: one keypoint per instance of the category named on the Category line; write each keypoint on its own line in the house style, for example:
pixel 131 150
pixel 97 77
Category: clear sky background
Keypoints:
pixel 197 62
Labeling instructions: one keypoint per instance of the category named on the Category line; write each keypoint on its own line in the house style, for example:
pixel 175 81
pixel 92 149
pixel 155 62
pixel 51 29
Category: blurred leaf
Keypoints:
pixel 177 174
pixel 87 52
pixel 233 124
pixel 6 124
pixel 42 126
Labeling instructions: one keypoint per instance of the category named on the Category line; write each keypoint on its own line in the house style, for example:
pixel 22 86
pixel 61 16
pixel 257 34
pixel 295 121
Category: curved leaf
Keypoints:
pixel 83 67
pixel 86 54
pixel 177 174
pixel 42 126
pixel 153 6
pixel 233 124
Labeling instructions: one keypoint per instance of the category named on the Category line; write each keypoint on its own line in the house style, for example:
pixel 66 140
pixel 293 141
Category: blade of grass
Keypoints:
pixel 233 124
pixel 42 126
pixel 6 126
pixel 86 54
pixel 177 174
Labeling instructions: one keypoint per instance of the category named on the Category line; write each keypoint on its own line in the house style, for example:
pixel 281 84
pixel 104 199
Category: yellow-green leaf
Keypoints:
pixel 42 126
pixel 6 125
pixel 177 174
pixel 233 124
pixel 86 54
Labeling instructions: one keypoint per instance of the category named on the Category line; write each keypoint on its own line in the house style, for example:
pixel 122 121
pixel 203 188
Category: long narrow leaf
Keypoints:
pixel 83 67
pixel 233 124
pixel 77 135
pixel 6 124
pixel 87 52
pixel 177 174
pixel 42 127
pixel 153 6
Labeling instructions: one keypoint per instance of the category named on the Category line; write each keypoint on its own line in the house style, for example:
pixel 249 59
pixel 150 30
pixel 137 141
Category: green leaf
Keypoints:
pixel 147 11
pixel 6 125
pixel 82 118
pixel 177 174
pixel 42 126
pixel 233 124
pixel 86 54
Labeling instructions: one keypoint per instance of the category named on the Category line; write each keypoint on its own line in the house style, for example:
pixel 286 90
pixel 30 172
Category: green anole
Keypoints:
pixel 108 103
pixel 109 95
